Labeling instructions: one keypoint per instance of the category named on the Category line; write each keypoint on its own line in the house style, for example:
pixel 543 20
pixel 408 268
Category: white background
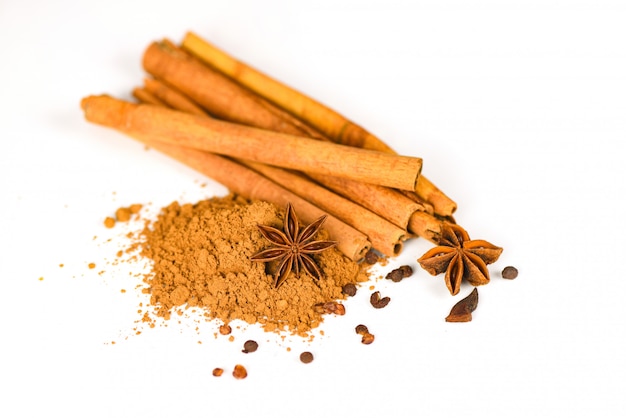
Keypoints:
pixel 518 110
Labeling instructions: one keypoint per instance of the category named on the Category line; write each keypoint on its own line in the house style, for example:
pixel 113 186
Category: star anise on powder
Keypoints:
pixel 293 247
pixel 460 258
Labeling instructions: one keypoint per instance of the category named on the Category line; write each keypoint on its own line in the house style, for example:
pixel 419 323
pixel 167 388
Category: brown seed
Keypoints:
pixel 240 372
pixel 225 329
pixel 306 357
pixel 217 372
pixel 367 338
pixel 361 329
pixel 371 257
pixel 378 302
pixel 407 271
pixel 349 289
pixel 250 346
pixel 509 272
pixel 395 275
pixel 462 310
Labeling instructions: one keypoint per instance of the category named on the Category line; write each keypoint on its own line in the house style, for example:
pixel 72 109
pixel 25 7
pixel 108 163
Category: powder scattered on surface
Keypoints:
pixel 123 214
pixel 200 256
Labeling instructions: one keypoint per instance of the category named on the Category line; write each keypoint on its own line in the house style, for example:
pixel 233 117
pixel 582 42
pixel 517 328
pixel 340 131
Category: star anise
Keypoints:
pixel 460 257
pixel 292 248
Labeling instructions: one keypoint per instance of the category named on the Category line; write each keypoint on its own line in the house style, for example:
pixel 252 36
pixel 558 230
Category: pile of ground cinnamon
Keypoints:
pixel 200 257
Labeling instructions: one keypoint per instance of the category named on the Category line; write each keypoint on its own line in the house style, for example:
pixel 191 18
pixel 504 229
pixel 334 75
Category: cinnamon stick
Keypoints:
pixel 323 119
pixel 216 93
pixel 385 202
pixel 426 226
pixel 287 151
pixel 144 96
pixel 391 205
pixel 210 89
pixel 172 97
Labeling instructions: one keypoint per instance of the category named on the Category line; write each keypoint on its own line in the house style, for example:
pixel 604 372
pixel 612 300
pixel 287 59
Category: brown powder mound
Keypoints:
pixel 201 258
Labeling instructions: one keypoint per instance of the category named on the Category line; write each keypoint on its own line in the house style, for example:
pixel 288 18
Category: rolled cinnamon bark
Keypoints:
pixel 426 225
pixel 392 205
pixel 323 119
pixel 216 93
pixel 397 207
pixel 385 235
pixel 172 97
pixel 145 96
pixel 287 151
pixel 385 202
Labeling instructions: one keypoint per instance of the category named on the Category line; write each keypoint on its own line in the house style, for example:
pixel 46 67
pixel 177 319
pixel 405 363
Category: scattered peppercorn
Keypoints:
pixel 361 329
pixel 250 346
pixel 378 302
pixel 371 257
pixel 306 357
pixel 406 270
pixel 240 372
pixel 217 372
pixel 400 273
pixel 395 275
pixel 509 272
pixel 349 289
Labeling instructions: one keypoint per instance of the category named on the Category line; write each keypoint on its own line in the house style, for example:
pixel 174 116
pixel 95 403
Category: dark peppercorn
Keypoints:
pixel 371 257
pixel 250 346
pixel 361 329
pixel 349 289
pixel 509 272
pixel 306 357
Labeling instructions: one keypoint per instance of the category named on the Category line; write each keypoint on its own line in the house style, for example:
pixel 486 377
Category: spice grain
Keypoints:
pixel 378 302
pixel 509 272
pixel 250 346
pixel 306 357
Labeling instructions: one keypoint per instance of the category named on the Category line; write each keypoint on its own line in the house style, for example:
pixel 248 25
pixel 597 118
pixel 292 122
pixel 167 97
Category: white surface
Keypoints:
pixel 517 108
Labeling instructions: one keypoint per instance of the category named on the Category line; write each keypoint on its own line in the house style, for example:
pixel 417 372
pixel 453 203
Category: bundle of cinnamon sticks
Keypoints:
pixel 264 140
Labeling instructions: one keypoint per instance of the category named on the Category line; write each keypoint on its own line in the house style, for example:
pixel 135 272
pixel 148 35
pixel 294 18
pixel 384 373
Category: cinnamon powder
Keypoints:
pixel 200 257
